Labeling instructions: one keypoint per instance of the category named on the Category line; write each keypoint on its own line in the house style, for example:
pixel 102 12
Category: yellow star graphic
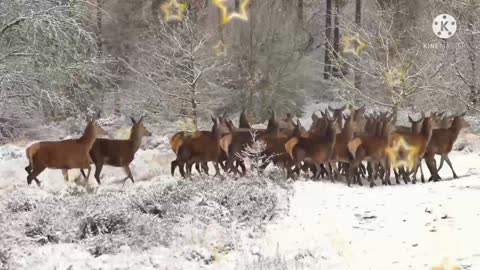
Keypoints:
pixel 173 5
pixel 220 48
pixel 446 265
pixel 226 16
pixel 349 47
pixel 395 159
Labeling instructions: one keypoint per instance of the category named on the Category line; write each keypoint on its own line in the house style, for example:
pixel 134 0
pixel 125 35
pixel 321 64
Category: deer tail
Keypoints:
pixel 225 143
pixel 290 145
pixel 176 141
pixel 353 146
pixel 31 151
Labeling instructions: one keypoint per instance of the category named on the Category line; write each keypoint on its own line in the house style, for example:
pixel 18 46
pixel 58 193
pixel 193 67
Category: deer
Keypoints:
pixel 204 147
pixel 64 155
pixel 176 141
pixel 441 144
pixel 234 143
pixel 315 150
pixel 372 148
pixel 118 153
pixel 419 141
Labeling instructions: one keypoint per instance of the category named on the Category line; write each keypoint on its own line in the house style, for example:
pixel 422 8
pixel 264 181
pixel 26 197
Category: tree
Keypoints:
pixel 49 60
pixel 172 65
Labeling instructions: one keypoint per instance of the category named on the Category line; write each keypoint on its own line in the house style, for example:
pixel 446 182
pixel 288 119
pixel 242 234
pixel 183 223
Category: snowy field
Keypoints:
pixel 162 222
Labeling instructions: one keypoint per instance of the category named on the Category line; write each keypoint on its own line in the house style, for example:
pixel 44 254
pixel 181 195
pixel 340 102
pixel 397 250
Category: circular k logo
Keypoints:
pixel 444 26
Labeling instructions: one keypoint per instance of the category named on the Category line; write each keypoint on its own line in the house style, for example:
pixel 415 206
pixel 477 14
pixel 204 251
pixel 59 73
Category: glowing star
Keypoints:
pixel 172 6
pixel 349 47
pixel 219 48
pixel 446 265
pixel 226 16
pixel 396 160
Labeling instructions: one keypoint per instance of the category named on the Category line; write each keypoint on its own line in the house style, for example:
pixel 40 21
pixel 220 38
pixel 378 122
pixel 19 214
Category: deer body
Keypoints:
pixel 441 144
pixel 118 153
pixel 65 155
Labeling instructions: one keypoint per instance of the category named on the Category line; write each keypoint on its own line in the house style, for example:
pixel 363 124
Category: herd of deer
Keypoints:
pixel 335 145
pixel 88 149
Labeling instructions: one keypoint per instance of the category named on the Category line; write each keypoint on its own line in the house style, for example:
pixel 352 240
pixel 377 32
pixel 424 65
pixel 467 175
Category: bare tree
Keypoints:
pixel 172 65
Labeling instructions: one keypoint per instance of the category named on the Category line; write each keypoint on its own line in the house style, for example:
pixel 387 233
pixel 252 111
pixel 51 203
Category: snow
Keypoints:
pixel 318 225
pixel 394 227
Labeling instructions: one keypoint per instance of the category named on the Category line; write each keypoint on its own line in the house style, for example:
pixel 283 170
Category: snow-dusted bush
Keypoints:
pixel 141 218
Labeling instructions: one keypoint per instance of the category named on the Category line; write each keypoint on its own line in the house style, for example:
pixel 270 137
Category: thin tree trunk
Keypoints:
pixel 358 22
pixel 336 38
pixel 328 40
pixel 473 59
pixel 300 12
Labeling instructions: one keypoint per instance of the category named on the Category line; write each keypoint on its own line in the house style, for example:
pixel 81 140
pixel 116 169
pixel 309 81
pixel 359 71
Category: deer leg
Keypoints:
pixel 65 175
pixel 217 169
pixel 173 165
pixel 98 170
pixel 34 173
pixel 197 167
pixel 205 167
pixel 415 170
pixel 129 173
pixel 422 177
pixel 317 169
pixel 447 159
pixel 442 159
pixel 386 165
pixel 181 168
pixel 330 171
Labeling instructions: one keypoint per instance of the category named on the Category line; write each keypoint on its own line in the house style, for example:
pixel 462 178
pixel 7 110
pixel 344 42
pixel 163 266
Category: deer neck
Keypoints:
pixel 136 140
pixel 88 137
pixel 427 131
pixel 347 132
pixel 455 131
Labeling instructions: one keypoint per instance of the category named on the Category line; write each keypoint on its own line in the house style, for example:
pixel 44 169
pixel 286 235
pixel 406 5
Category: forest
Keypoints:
pixel 61 58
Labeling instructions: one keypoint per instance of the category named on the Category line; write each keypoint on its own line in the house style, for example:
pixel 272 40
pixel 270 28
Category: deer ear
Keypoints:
pixel 214 120
pixel 330 108
pixel 141 119
pixel 133 120
pixel 410 119
pixel 343 108
pixel 314 117
pixel 463 114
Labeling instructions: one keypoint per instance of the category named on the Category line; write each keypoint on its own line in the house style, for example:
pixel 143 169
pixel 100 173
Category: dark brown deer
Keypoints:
pixel 418 141
pixel 118 153
pixel 176 141
pixel 202 148
pixel 441 144
pixel 64 155
pixel 372 148
pixel 315 150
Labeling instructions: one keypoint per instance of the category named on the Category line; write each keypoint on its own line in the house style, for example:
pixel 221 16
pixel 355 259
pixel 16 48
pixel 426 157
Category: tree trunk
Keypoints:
pixel 358 22
pixel 328 40
pixel 300 12
pixel 336 38
pixel 473 58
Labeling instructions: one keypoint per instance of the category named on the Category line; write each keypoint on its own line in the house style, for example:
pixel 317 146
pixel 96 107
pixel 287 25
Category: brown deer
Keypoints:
pixel 176 141
pixel 204 147
pixel 313 149
pixel 419 141
pixel 118 153
pixel 441 144
pixel 64 155
pixel 372 148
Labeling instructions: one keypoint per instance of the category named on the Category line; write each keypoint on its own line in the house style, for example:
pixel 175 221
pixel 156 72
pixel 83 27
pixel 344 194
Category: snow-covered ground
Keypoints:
pixel 313 225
